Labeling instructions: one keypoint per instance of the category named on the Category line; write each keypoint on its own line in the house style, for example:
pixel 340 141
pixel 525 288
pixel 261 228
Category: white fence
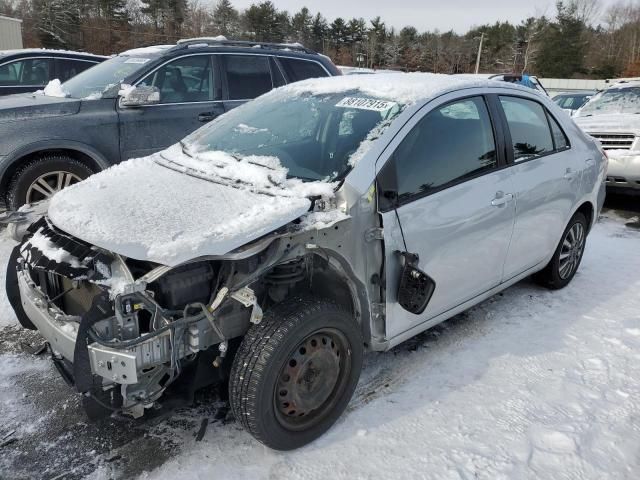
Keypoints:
pixel 10 33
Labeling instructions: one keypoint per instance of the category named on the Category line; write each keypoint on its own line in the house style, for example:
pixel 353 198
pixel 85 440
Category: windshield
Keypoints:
pixel 315 137
pixel 103 80
pixel 613 100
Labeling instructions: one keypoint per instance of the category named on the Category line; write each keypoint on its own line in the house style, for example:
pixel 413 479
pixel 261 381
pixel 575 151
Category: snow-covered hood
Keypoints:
pixel 611 122
pixel 22 106
pixel 163 209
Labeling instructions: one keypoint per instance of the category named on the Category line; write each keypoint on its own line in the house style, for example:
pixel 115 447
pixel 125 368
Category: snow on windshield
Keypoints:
pixel 614 100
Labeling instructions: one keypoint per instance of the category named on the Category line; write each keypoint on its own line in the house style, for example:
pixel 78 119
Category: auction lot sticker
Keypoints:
pixel 366 104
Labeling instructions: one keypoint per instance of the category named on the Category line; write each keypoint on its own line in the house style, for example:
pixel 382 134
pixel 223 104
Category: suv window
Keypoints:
pixel 30 71
pixel 70 68
pixel 530 134
pixel 448 145
pixel 302 69
pixel 248 76
pixel 187 79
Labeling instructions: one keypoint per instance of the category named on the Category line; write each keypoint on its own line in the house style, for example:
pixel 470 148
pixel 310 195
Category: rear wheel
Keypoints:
pixel 568 255
pixel 295 372
pixel 42 178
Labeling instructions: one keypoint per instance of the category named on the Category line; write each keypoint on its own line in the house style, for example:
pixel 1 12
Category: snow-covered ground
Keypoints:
pixel 530 384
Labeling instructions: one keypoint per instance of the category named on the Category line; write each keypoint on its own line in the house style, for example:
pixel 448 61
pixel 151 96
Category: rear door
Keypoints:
pixel 67 68
pixel 453 206
pixel 546 176
pixel 190 96
pixel 245 77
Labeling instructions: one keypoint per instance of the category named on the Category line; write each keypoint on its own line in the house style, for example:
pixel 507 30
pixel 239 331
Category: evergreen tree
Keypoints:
pixel 226 19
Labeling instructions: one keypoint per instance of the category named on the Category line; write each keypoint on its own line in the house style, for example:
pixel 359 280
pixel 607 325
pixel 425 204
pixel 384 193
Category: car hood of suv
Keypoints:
pixel 22 107
pixel 611 122
pixel 143 209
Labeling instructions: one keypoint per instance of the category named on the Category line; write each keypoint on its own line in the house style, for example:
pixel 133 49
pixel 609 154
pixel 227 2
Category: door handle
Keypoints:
pixel 570 174
pixel 501 199
pixel 206 116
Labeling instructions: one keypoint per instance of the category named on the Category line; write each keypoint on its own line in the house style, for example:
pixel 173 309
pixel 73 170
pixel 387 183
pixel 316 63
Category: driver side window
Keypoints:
pixel 187 79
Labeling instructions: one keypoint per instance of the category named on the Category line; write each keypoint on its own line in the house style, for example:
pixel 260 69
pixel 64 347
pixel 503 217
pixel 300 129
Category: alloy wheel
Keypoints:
pixel 571 251
pixel 45 186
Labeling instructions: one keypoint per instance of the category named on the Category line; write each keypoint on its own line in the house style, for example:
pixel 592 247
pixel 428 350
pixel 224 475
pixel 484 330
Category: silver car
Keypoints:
pixel 613 118
pixel 273 247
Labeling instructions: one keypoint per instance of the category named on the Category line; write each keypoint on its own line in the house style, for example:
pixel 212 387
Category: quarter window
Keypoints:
pixel 450 144
pixel 530 134
pixel 27 72
pixel 301 69
pixel 248 76
pixel 187 79
pixel 559 138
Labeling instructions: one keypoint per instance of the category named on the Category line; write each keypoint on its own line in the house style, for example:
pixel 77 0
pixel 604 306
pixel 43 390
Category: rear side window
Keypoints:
pixel 559 138
pixel 187 79
pixel 302 69
pixel 70 68
pixel 450 144
pixel 248 76
pixel 530 134
pixel 27 72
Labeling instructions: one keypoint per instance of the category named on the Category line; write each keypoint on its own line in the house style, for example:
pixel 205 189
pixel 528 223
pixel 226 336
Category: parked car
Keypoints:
pixel 275 245
pixel 613 118
pixel 51 141
pixel 28 70
pixel 572 102
pixel 530 81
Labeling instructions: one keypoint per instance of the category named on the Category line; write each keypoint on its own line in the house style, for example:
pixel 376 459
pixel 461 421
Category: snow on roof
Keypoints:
pixel 150 50
pixel 47 50
pixel 404 88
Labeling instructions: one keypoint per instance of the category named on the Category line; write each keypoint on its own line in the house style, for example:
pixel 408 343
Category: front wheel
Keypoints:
pixel 568 255
pixel 295 372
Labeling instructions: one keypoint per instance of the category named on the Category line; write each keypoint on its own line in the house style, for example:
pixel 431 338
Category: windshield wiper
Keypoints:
pixel 184 149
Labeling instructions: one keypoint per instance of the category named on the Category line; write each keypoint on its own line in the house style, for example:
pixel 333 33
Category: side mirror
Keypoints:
pixel 139 96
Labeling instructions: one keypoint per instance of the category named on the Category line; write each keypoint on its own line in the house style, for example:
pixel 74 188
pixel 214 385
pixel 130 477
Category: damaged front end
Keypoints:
pixel 122 331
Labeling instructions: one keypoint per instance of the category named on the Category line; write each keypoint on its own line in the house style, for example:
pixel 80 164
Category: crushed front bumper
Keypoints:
pixel 623 171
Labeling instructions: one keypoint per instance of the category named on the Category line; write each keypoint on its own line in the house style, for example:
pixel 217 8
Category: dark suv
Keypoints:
pixel 28 70
pixel 134 104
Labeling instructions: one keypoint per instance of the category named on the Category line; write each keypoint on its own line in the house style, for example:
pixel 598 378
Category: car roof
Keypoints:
pixel 221 43
pixel 4 54
pixel 403 88
pixel 625 84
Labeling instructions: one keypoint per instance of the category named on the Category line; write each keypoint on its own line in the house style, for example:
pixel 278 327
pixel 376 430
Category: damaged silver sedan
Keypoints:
pixel 273 247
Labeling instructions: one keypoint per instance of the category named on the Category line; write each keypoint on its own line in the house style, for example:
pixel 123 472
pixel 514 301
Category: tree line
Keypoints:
pixel 579 40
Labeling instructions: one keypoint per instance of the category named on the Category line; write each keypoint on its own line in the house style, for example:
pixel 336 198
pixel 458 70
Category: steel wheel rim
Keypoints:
pixel 571 250
pixel 311 381
pixel 45 186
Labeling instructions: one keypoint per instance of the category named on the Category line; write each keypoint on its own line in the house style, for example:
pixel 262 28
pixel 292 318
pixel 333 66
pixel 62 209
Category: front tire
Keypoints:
pixel 295 372
pixel 13 292
pixel 568 255
pixel 42 178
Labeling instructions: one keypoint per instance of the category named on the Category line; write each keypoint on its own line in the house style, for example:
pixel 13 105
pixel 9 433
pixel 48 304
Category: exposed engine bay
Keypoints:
pixel 123 331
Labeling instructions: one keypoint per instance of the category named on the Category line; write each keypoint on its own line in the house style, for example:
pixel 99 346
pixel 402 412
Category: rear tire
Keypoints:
pixel 13 292
pixel 568 255
pixel 277 392
pixel 43 177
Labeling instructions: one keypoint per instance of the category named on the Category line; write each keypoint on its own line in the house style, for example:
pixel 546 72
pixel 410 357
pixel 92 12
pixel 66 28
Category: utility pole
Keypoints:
pixel 479 53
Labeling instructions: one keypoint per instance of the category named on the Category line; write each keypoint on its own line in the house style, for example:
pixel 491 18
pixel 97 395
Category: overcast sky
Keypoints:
pixel 443 15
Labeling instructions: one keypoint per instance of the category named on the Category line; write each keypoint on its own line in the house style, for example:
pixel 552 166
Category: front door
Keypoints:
pixel 445 198
pixel 189 98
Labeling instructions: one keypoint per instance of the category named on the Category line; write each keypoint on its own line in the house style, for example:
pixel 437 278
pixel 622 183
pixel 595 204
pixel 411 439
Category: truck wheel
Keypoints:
pixel 566 259
pixel 13 292
pixel 40 179
pixel 295 372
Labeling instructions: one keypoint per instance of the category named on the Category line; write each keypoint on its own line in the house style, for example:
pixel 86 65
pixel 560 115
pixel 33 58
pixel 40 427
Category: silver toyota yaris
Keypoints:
pixel 274 246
